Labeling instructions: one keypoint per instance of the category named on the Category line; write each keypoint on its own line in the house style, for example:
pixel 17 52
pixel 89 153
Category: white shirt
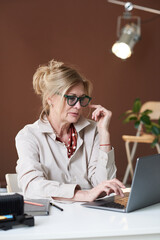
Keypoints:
pixel 44 169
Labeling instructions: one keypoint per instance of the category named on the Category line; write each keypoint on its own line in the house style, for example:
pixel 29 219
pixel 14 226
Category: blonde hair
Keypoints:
pixel 57 77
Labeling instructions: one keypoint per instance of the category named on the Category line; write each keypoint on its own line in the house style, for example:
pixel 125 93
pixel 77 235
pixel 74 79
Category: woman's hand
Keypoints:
pixel 104 188
pixel 102 116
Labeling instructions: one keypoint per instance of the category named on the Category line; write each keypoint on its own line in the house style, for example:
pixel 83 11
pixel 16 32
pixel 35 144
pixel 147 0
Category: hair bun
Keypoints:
pixel 54 64
pixel 41 75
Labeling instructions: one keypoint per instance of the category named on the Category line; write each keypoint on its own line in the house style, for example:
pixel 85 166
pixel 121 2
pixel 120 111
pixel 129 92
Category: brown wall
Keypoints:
pixel 80 32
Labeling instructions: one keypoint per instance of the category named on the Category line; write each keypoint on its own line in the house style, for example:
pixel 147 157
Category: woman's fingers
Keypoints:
pixel 94 105
pixel 113 185
pixel 119 183
pixel 102 116
pixel 97 112
pixel 100 112
pixel 116 186
pixel 108 187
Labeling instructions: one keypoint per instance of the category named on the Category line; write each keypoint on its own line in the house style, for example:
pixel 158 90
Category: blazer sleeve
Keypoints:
pixel 101 165
pixel 32 175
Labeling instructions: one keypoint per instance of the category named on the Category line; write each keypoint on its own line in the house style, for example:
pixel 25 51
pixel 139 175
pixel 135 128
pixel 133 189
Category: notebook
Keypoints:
pixel 34 210
pixel 145 188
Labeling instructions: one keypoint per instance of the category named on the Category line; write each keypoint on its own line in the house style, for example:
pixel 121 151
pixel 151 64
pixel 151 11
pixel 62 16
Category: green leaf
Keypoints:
pixel 148 128
pixel 155 141
pixel 130 118
pixel 155 124
pixel 146 112
pixel 155 130
pixel 125 113
pixel 137 105
pixel 136 124
pixel 133 118
pixel 145 119
pixel 159 121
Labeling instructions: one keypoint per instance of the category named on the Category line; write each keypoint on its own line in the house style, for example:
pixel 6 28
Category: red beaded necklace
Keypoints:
pixel 72 141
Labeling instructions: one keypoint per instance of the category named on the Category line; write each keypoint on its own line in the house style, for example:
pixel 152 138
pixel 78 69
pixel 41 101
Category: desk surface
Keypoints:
pixel 78 222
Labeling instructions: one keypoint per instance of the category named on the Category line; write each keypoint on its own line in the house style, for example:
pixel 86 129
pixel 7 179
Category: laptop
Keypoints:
pixel 145 188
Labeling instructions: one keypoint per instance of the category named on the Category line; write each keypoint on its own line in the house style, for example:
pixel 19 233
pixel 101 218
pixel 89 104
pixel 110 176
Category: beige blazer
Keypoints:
pixel 44 169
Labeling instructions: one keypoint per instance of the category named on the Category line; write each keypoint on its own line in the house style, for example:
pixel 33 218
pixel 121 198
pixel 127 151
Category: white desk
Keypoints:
pixel 77 222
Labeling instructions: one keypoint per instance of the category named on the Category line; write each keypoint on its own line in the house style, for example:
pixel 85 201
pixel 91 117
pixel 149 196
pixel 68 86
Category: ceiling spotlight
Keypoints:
pixel 129 35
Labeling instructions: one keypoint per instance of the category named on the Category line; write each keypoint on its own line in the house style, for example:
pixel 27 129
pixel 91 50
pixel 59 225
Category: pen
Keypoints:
pixel 56 206
pixel 33 203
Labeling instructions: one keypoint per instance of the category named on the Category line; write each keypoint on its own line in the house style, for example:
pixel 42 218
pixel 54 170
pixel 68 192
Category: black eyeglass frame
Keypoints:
pixel 77 99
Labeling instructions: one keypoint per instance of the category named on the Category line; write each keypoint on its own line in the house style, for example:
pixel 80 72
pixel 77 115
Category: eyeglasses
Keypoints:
pixel 72 100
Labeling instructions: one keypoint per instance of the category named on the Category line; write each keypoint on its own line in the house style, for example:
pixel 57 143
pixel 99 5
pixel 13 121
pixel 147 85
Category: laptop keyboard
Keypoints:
pixel 120 203
pixel 113 205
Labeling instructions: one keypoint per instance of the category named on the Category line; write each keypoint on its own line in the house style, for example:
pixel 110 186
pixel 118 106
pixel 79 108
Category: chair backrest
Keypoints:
pixel 154 106
pixel 12 184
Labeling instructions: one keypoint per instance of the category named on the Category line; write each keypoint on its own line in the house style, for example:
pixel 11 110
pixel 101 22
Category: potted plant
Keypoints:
pixel 143 118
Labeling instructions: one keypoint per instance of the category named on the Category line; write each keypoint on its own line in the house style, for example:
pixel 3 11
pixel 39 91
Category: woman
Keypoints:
pixel 63 155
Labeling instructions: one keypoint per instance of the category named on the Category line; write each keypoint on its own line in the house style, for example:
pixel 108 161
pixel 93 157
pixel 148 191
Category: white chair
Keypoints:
pixel 12 184
pixel 140 137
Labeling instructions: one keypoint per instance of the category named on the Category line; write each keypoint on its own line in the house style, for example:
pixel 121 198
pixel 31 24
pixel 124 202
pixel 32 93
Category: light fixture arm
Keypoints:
pixel 138 19
pixel 134 6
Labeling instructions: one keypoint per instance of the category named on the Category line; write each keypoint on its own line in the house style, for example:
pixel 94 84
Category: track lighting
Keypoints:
pixel 129 33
